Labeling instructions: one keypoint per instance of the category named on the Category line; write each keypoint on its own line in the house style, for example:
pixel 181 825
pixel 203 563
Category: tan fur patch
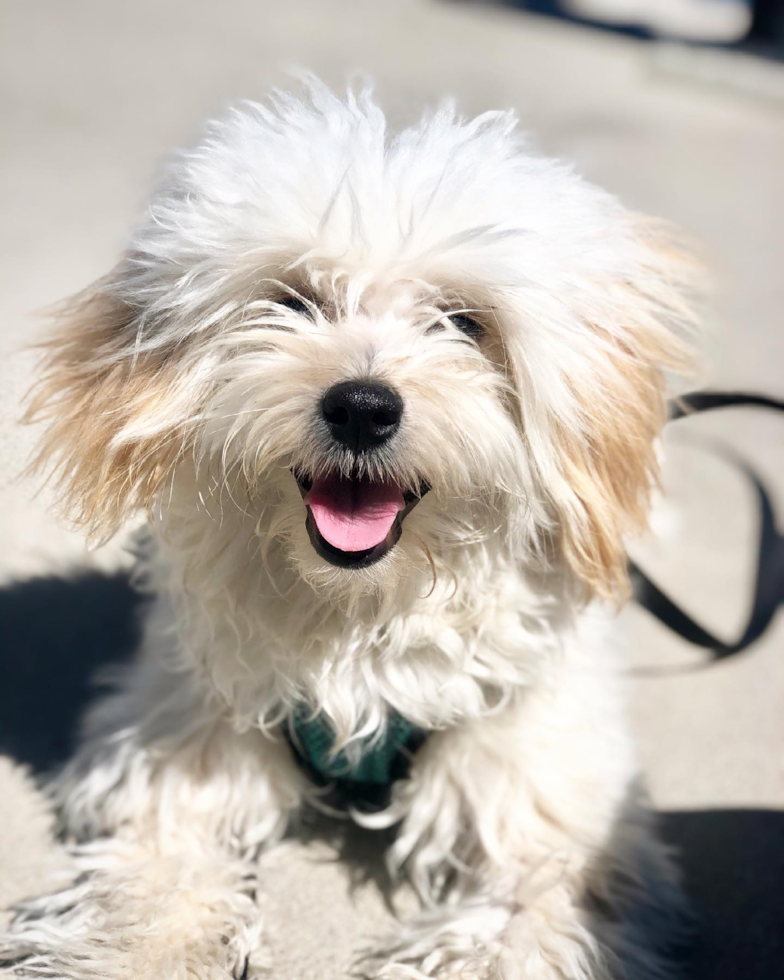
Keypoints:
pixel 611 465
pixel 611 468
pixel 104 407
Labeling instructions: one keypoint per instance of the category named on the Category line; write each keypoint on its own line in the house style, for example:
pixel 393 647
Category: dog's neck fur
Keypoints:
pixel 442 648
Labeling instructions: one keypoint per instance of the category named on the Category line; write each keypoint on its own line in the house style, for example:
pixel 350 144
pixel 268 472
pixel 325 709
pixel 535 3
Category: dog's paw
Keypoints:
pixel 480 965
pixel 447 943
pixel 485 942
pixel 457 957
pixel 485 964
pixel 141 918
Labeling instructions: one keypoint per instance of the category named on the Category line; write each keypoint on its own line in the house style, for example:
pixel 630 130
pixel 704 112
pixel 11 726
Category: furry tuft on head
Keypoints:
pixel 524 318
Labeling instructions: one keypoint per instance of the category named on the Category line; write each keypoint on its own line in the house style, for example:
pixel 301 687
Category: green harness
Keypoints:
pixel 380 761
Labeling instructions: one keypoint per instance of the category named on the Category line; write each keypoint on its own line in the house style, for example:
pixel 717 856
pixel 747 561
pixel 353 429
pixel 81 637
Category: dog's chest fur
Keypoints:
pixel 439 654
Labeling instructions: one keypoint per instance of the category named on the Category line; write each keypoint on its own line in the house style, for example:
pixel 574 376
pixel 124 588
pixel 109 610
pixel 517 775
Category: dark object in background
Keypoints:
pixel 754 24
pixel 555 8
pixel 767 27
pixel 57 632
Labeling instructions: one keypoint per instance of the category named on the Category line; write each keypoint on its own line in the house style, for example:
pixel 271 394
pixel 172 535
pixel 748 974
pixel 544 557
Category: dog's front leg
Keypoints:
pixel 170 806
pixel 521 834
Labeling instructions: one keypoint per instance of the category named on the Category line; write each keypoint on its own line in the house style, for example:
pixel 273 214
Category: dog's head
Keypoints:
pixel 382 351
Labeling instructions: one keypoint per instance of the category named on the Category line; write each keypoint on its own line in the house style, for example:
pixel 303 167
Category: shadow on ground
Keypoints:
pixel 58 631
pixel 733 868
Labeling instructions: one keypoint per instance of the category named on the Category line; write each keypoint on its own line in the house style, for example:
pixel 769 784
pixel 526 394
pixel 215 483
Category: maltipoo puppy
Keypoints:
pixel 391 404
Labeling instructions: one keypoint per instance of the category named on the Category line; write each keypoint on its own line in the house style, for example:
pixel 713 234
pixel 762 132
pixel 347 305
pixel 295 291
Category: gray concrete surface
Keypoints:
pixel 94 94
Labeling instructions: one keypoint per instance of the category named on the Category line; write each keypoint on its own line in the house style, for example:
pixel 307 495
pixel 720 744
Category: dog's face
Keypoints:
pixel 384 352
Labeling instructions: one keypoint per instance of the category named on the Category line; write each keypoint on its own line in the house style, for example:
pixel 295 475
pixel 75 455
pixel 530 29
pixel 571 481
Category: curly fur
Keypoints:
pixel 183 385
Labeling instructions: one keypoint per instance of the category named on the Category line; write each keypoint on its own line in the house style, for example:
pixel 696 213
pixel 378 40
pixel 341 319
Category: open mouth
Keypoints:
pixel 353 522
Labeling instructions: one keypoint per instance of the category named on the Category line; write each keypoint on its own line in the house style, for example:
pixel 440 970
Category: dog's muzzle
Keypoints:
pixel 354 521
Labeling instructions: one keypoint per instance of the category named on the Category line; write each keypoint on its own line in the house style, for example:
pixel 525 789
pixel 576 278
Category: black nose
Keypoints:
pixel 362 414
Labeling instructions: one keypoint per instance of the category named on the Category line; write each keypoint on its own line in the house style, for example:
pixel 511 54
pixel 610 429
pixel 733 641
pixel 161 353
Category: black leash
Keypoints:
pixel 769 579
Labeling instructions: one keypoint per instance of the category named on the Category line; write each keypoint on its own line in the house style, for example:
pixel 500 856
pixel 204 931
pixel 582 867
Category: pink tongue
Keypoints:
pixel 354 515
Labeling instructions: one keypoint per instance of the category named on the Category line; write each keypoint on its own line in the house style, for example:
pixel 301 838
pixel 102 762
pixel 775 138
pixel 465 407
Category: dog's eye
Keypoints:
pixel 467 325
pixel 296 305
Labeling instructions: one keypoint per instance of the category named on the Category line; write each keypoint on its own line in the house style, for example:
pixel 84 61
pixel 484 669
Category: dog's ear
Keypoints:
pixel 609 465
pixel 635 333
pixel 112 410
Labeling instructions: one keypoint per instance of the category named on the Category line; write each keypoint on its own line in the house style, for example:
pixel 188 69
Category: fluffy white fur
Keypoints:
pixel 179 384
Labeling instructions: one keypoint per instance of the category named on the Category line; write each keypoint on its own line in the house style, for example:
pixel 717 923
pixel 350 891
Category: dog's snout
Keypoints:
pixel 362 414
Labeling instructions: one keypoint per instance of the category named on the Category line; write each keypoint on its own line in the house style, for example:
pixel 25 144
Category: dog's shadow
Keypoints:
pixel 733 868
pixel 56 632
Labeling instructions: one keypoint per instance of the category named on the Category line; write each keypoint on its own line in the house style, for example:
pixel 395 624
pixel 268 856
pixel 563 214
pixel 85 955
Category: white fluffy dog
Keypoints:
pixel 391 404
